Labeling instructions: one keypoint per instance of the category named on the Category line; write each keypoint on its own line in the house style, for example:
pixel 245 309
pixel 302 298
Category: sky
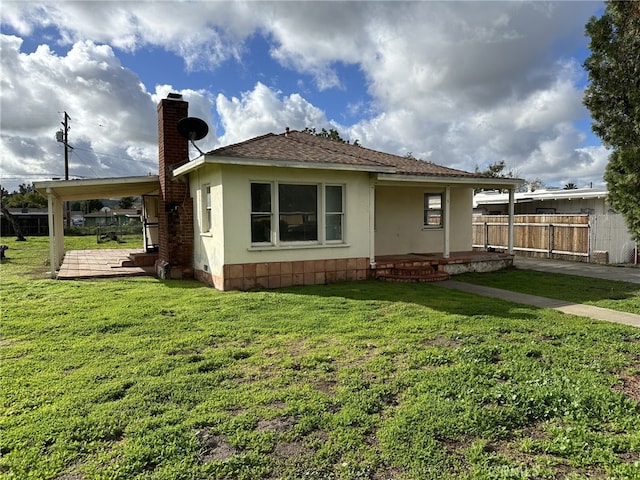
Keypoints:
pixel 464 84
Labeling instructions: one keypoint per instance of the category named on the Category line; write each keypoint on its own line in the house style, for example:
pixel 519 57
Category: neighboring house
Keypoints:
pixel 293 208
pixel 32 221
pixel 108 217
pixel 544 201
pixel 576 224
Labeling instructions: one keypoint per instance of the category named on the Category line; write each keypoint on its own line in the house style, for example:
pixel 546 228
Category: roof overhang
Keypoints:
pixel 539 196
pixel 253 162
pixel 474 182
pixel 114 187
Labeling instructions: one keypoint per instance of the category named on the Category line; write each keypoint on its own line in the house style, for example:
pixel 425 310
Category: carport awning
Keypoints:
pixel 60 191
pixel 65 190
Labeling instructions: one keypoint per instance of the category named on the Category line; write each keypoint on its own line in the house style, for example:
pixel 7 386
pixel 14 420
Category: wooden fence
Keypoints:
pixel 549 236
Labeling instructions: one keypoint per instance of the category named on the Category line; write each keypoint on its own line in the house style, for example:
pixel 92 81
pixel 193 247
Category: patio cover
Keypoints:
pixel 60 191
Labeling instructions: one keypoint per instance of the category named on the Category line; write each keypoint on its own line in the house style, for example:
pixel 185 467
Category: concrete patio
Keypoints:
pixel 106 263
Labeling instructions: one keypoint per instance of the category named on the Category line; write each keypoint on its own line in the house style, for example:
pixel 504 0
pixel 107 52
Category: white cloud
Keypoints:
pixel 458 83
pixel 263 110
pixel 110 111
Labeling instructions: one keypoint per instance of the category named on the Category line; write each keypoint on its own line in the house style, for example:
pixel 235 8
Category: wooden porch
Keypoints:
pixel 434 267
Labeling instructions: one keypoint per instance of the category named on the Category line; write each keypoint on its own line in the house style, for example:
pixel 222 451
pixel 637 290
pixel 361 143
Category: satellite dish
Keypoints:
pixel 192 129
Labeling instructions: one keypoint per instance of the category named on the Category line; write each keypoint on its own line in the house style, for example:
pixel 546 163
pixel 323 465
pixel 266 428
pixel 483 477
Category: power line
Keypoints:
pixel 113 156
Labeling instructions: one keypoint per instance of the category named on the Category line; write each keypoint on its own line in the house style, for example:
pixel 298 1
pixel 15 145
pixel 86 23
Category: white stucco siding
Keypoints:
pixel 236 181
pixel 400 220
pixel 208 249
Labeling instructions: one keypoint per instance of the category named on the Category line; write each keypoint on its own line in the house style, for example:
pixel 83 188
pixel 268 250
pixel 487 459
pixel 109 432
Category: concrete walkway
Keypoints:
pixel 582 310
pixel 606 272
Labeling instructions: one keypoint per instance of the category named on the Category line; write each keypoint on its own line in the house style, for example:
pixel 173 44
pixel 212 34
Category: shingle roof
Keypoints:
pixel 301 147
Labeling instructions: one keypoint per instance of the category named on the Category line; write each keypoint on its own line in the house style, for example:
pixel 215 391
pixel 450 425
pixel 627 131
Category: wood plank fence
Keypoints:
pixel 549 236
pixel 588 238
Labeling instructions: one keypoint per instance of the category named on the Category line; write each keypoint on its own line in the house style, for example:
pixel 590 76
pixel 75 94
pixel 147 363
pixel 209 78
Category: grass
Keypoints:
pixel 621 296
pixel 143 379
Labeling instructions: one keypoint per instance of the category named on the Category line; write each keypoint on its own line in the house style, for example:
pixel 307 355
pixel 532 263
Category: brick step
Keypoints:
pixel 422 278
pixel 140 260
pixel 411 270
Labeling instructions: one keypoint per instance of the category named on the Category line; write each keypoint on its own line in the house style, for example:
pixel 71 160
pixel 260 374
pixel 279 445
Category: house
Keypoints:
pixel 107 217
pixel 576 224
pixel 544 201
pixel 32 221
pixel 292 208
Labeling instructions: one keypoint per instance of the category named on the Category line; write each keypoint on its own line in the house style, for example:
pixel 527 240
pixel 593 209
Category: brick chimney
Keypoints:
pixel 175 218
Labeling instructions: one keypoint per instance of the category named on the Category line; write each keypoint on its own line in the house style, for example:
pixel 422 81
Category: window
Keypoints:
pixel 261 213
pixel 433 210
pixel 296 213
pixel 334 213
pixel 298 207
pixel 206 220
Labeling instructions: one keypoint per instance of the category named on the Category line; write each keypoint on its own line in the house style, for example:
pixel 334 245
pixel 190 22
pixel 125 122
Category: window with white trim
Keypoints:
pixel 432 210
pixel 261 213
pixel 334 213
pixel 296 213
pixel 206 211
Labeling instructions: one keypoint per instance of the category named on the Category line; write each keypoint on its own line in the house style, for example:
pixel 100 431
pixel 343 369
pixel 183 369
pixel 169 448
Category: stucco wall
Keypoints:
pixel 208 246
pixel 400 217
pixel 230 239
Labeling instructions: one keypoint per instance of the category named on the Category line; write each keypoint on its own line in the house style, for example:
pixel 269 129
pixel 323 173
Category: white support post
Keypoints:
pixel 372 222
pixel 52 236
pixel 511 219
pixel 447 229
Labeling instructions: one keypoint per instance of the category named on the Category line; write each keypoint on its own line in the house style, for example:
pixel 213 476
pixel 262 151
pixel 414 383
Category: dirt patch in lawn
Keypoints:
pixel 214 448
pixel 630 385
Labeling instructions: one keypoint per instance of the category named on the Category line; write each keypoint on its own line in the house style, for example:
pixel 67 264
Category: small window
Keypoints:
pixel 298 212
pixel 207 220
pixel 334 213
pixel 261 213
pixel 433 210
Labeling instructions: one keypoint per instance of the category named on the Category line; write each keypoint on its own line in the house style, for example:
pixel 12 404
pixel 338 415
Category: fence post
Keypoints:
pixel 486 235
pixel 551 241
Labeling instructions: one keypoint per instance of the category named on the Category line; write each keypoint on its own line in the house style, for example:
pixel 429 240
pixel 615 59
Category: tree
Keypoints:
pixel 89 206
pixel 25 197
pixel 10 218
pixel 613 99
pixel 570 186
pixel 623 179
pixel 126 202
pixel 494 170
pixel 331 134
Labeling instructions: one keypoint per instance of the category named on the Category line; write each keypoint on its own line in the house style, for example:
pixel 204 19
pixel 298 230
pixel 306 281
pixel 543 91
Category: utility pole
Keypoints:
pixel 63 137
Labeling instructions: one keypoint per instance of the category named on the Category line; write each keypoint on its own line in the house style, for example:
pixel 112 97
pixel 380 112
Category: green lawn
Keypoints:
pixel 143 379
pixel 622 296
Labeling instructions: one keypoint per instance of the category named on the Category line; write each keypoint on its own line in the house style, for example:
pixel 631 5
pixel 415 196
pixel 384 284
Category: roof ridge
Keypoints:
pixel 244 142
pixel 338 145
pixel 349 150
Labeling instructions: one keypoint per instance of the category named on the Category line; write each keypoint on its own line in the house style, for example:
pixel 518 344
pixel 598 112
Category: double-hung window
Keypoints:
pixel 432 210
pixel 288 213
pixel 334 213
pixel 261 213
pixel 206 217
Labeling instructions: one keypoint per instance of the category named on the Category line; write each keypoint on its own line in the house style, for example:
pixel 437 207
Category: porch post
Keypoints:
pixel 447 230
pixel 56 231
pixel 52 236
pixel 511 219
pixel 372 222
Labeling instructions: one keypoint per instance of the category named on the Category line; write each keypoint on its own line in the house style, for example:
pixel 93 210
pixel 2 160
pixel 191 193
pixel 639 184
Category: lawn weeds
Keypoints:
pixel 146 379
